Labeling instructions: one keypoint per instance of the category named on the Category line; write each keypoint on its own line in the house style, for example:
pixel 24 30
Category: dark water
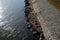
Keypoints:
pixel 13 21
pixel 56 3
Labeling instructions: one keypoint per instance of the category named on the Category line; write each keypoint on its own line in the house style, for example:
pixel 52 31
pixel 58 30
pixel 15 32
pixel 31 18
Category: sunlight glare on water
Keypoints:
pixel 12 21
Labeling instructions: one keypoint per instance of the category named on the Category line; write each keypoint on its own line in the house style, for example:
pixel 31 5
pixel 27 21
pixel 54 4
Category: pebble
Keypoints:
pixel 32 23
pixel 34 32
pixel 31 29
pixel 29 26
pixel 28 23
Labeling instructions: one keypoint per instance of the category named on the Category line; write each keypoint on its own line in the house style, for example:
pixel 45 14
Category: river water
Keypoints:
pixel 12 21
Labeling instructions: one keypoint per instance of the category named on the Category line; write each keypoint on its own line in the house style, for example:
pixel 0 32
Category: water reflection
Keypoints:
pixel 1 10
pixel 0 16
pixel 12 21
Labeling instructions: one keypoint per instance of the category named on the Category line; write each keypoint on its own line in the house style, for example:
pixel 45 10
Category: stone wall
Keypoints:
pixel 49 18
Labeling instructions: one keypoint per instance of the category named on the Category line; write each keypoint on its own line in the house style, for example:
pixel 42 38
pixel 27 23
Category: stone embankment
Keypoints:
pixel 32 21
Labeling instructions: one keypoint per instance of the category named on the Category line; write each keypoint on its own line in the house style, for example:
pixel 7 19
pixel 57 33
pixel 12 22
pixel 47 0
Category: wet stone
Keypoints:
pixel 34 26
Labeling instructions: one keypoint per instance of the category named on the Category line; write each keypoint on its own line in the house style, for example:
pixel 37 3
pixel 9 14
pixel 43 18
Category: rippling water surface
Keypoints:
pixel 12 21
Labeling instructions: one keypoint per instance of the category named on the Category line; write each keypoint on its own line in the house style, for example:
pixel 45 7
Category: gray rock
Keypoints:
pixel 49 18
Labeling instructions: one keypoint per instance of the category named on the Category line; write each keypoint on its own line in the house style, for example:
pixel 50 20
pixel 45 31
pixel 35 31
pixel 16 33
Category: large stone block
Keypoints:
pixel 49 17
